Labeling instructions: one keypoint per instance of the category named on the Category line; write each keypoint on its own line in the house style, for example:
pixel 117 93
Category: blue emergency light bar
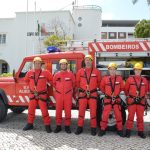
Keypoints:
pixel 52 49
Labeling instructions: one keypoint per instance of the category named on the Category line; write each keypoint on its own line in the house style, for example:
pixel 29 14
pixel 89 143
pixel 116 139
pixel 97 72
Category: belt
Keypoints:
pixel 87 93
pixel 112 97
pixel 37 95
pixel 113 100
pixel 137 100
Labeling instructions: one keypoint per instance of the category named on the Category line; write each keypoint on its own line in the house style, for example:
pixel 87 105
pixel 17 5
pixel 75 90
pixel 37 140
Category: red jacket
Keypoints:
pixel 106 86
pixel 81 79
pixel 42 77
pixel 91 78
pixel 131 88
pixel 64 82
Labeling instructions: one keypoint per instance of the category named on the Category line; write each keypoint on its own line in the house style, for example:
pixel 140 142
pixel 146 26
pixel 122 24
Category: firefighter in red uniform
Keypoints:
pixel 136 89
pixel 64 83
pixel 87 82
pixel 111 86
pixel 38 80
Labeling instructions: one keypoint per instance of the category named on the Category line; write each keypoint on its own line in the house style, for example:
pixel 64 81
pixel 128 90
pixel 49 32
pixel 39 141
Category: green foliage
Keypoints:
pixel 135 1
pixel 142 29
pixel 6 75
pixel 54 40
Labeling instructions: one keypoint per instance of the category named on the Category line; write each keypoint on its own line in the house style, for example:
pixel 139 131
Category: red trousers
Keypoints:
pixel 63 101
pixel 31 111
pixel 82 108
pixel 105 116
pixel 139 110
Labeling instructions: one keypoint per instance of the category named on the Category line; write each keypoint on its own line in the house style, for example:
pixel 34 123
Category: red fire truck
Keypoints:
pixel 125 54
pixel 14 91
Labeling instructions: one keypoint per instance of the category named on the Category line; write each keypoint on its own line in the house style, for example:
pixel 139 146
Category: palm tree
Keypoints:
pixel 134 1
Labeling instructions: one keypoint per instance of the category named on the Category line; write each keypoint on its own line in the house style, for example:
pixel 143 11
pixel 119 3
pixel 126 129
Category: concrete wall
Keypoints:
pixel 87 23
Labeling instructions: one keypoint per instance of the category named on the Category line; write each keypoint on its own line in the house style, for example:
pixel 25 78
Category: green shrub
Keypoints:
pixel 6 75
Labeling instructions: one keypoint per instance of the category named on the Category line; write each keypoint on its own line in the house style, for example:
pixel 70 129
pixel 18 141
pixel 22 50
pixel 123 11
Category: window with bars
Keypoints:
pixel 2 38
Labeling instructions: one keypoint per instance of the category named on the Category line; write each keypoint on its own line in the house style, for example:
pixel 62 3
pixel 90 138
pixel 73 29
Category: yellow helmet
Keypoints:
pixel 138 66
pixel 112 65
pixel 63 61
pixel 37 59
pixel 89 56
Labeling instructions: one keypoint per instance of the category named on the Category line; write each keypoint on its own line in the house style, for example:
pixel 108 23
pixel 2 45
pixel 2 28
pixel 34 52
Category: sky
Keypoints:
pixel 111 9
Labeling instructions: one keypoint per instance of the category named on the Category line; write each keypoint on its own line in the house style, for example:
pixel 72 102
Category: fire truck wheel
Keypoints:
pixel 17 110
pixel 111 121
pixel 3 110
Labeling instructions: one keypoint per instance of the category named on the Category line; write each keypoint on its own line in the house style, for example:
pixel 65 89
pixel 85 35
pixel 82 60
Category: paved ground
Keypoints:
pixel 13 138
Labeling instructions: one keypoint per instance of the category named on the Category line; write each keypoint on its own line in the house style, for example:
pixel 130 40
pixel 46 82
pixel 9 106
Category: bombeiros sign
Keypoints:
pixel 122 46
pixel 126 46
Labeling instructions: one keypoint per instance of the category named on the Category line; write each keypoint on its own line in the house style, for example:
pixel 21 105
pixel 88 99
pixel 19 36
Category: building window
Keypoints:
pixel 112 35
pixel 79 24
pixel 80 18
pixel 104 35
pixel 2 38
pixel 121 35
pixel 4 67
pixel 56 66
pixel 130 35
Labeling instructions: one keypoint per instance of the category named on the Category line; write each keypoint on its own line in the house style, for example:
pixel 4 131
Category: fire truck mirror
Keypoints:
pixel 14 75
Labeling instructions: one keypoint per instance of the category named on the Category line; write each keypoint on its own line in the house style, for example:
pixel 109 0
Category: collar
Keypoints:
pixel 37 70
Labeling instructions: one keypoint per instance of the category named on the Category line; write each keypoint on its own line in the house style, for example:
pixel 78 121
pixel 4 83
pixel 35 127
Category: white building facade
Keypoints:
pixel 118 29
pixel 88 22
pixel 23 35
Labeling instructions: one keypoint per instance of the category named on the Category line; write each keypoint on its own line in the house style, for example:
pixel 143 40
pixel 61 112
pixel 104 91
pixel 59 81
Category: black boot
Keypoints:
pixel 67 129
pixel 128 133
pixel 101 132
pixel 79 130
pixel 120 133
pixel 141 134
pixel 28 126
pixel 58 129
pixel 48 128
pixel 93 131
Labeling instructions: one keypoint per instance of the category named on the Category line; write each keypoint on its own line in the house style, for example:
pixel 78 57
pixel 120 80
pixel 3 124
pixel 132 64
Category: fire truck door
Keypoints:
pixel 22 88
